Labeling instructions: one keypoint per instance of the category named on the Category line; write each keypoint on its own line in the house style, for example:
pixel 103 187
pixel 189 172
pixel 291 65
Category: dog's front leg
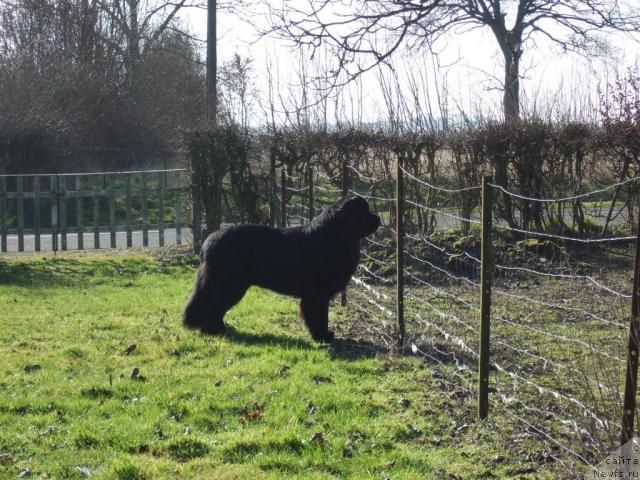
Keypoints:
pixel 315 312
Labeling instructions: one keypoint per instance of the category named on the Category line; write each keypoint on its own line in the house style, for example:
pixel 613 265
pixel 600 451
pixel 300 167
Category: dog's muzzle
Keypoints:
pixel 374 224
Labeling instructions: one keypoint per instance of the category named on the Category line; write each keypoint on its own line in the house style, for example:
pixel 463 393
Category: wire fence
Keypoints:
pixel 560 299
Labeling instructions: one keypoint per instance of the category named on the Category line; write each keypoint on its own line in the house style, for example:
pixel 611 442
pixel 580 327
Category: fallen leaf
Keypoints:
pixel 256 414
pixel 250 417
pixel 318 379
pixel 317 438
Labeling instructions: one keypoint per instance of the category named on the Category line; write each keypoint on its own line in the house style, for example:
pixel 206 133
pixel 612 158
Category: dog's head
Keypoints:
pixel 354 214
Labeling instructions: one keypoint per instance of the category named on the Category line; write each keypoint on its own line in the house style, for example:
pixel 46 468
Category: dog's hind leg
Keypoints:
pixel 315 312
pixel 195 311
pixel 225 292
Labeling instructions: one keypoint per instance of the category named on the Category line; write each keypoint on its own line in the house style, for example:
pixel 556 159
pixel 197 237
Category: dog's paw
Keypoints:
pixel 212 329
pixel 328 337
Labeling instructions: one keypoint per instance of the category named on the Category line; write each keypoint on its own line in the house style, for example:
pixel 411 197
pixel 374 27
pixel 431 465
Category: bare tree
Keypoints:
pixel 237 91
pixel 363 34
pixel 69 98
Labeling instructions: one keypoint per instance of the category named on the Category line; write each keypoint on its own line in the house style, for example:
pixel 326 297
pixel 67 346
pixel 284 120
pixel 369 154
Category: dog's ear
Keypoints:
pixel 354 218
pixel 353 202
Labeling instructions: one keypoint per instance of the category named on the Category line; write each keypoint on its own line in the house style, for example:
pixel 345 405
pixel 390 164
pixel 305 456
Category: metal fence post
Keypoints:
pixel 400 250
pixel 486 278
pixel 631 381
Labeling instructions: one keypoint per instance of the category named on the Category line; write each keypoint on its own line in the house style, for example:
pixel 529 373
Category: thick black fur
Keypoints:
pixel 312 262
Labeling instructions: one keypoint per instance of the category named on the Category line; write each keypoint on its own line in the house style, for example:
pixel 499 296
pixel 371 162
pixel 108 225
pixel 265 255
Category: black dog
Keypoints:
pixel 312 262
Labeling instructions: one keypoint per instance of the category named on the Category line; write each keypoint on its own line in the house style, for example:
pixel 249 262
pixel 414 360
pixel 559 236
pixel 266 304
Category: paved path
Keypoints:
pixel 105 240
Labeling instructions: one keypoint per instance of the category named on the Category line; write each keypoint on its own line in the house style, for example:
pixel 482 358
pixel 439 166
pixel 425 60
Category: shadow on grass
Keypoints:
pixel 343 349
pixel 50 272
pixel 36 274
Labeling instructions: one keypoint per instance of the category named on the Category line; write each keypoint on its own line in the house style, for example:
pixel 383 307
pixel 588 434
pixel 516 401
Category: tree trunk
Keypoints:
pixel 212 63
pixel 511 98
pixel 133 37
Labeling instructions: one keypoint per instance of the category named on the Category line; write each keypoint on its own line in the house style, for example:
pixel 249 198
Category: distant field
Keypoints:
pixel 261 402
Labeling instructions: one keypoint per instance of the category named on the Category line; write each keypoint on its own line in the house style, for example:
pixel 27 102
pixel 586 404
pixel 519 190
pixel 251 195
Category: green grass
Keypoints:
pixel 262 401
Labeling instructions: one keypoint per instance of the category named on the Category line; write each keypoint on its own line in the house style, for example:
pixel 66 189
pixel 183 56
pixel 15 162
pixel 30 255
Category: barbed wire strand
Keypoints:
pixel 559 307
pixel 523 269
pixel 557 395
pixel 550 438
pixel 565 199
pixel 559 337
pixel 547 361
pixel 455 371
pixel 443 292
pixel 454 338
pixel 372 197
pixel 562 237
pixel 361 175
pixel 441 189
pixel 446 214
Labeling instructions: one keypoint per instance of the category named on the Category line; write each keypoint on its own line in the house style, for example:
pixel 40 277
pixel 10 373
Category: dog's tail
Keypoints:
pixel 193 315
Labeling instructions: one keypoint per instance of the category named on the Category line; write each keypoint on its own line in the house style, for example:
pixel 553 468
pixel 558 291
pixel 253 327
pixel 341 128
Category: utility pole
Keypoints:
pixel 212 63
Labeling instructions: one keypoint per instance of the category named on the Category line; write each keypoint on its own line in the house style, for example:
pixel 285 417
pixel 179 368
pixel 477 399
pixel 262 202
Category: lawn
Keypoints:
pixel 263 401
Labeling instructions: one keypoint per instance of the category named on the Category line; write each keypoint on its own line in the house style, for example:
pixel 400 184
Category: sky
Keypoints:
pixel 468 68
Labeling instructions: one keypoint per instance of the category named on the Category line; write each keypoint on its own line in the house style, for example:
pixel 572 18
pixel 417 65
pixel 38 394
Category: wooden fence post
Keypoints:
pixel 631 381
pixel 196 212
pixel 272 187
pixel 20 205
pixel 400 250
pixel 36 212
pixel 54 212
pixel 3 214
pixel 486 278
pixel 96 210
pixel 162 180
pixel 79 212
pixel 178 192
pixel 310 188
pixel 345 192
pixel 112 210
pixel 283 194
pixel 128 228
pixel 62 195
